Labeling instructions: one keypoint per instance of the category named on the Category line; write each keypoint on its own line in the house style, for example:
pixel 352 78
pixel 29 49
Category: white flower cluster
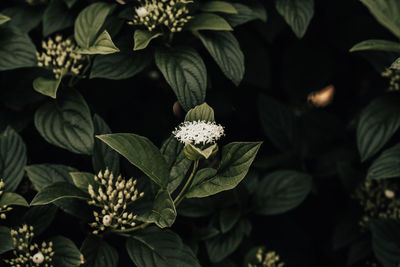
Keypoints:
pixel 58 55
pixel 268 259
pixel 27 253
pixel 4 208
pixel 378 199
pixel 172 14
pixel 198 132
pixel 113 195
pixel 393 73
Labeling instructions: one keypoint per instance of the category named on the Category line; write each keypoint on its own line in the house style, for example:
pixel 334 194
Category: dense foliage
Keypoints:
pixel 157 133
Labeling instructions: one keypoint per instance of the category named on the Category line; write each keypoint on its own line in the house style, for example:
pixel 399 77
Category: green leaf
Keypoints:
pixel 201 112
pixel 12 199
pixel 297 14
pixel 225 50
pixel 236 160
pixel 3 18
pixel 82 180
pixel 66 253
pixel 222 246
pixel 40 217
pixel 6 243
pixel 185 72
pixel 70 3
pixel 281 191
pixel 246 14
pixel 196 207
pixel 278 122
pixel 386 241
pixel 386 12
pixel 142 153
pixel 47 86
pixel 177 163
pixel 207 21
pixel 228 218
pixel 56 191
pixel 194 153
pixel 163 213
pixel 42 175
pixel 103 156
pixel 153 247
pixel 120 65
pixel 377 124
pixel 25 18
pixel 387 165
pixel 98 253
pixel 12 159
pixel 142 38
pixel 89 22
pixel 66 122
pixel 57 17
pixel 103 45
pixel 218 6
pixel 378 45
pixel 16 49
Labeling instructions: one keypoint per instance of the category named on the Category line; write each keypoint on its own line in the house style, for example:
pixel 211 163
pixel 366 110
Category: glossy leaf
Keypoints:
pixel 23 17
pixel 208 21
pixel 47 86
pixel 12 199
pixel 185 72
pixel 3 18
pixel 218 6
pixel 282 191
pixel 385 241
pixel 246 13
pixel 297 14
pixel 66 253
pixel 57 17
pixel 12 159
pixel 153 247
pixel 98 253
pixel 66 122
pixel 6 243
pixel 142 153
pixel 42 175
pixel 143 38
pixel 201 112
pixel 387 165
pixel 103 45
pixel 377 45
pixel 225 50
pixel 57 191
pixel 228 218
pixel 82 180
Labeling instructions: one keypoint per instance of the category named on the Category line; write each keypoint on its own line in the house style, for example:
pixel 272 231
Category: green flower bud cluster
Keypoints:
pixel 27 253
pixel 173 14
pixel 266 259
pixel 379 199
pixel 4 208
pixel 59 56
pixel 113 195
pixel 393 73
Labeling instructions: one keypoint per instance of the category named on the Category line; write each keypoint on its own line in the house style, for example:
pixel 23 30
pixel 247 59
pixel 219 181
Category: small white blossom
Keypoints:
pixel 198 132
pixel 4 208
pixel 38 258
pixel 389 193
pixel 141 12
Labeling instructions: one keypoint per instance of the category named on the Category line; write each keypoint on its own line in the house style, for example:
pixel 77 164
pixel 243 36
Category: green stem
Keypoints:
pixel 181 194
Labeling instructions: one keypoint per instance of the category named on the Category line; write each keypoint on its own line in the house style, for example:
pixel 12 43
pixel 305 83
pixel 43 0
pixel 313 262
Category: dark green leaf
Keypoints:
pixel 103 45
pixel 163 213
pixel 16 49
pixel 57 191
pixel 24 18
pixel 66 122
pixel 40 217
pixel 218 6
pixel 12 199
pixel 225 49
pixel 66 254
pixel 42 175
pixel 377 123
pixel 3 18
pixel 12 159
pixel 207 21
pixel 82 180
pixel 201 112
pixel 6 242
pixel 228 218
pixel 236 160
pixel 89 22
pixel 119 66
pixel 47 86
pixel 386 12
pixel 98 253
pixel 378 45
pixel 282 191
pixel 246 14
pixel 196 208
pixel 297 14
pixel 70 3
pixel 177 162
pixel 386 242
pixel 185 72
pixel 103 156
pixel 387 165
pixel 142 153
pixel 143 38
pixel 278 122
pixel 159 248
pixel 57 17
